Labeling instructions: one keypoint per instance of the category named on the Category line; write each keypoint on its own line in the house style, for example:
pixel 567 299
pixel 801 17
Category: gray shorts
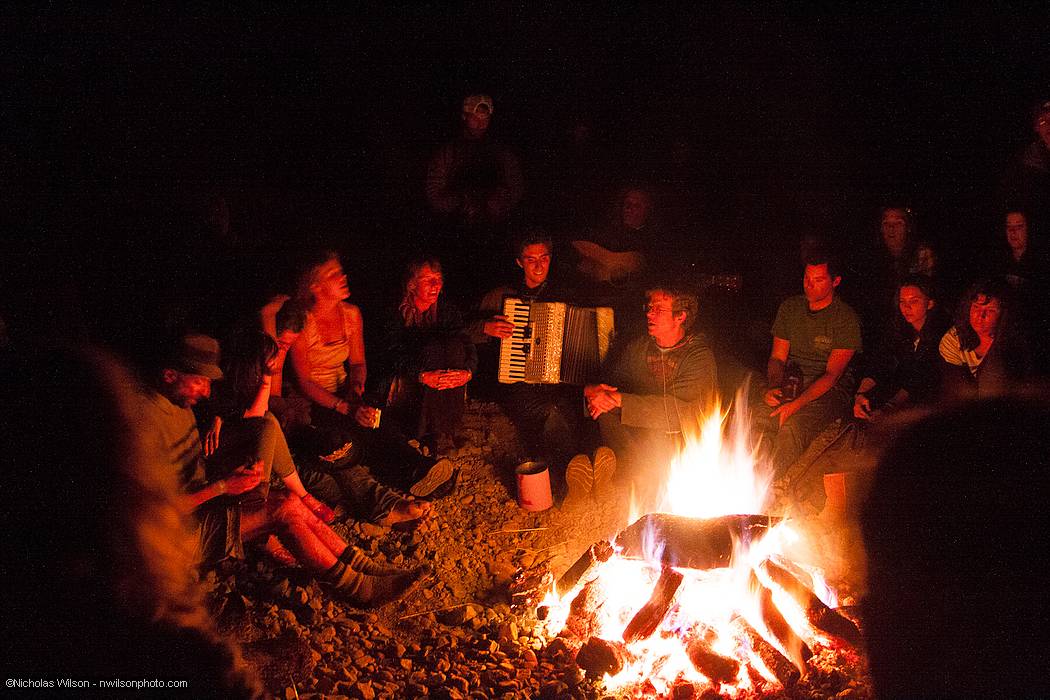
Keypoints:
pixel 219 533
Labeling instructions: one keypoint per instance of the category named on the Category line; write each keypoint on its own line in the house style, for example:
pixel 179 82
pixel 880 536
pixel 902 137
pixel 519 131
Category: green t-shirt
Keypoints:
pixel 814 334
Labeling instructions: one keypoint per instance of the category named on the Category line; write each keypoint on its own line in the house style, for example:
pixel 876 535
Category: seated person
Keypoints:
pixel 329 363
pixel 613 263
pixel 102 580
pixel 283 319
pixel 881 267
pixel 985 350
pixel 224 522
pixel 241 426
pixel 906 365
pixel 429 359
pixel 819 334
pixel 655 387
pixel 547 416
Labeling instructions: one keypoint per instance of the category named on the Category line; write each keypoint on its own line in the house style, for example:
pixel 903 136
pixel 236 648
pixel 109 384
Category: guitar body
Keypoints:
pixel 602 265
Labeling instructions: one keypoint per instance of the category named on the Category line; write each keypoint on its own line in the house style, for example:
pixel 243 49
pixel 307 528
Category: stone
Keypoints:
pixel 364 691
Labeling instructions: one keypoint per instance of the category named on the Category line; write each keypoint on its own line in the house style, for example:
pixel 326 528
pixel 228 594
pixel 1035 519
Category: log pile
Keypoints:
pixel 774 647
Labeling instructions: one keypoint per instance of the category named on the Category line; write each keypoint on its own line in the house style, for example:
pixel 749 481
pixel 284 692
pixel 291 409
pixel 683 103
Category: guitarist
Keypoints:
pixel 613 264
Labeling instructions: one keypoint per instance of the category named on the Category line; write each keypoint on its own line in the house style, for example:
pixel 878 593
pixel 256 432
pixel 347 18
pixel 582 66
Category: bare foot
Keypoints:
pixel 404 511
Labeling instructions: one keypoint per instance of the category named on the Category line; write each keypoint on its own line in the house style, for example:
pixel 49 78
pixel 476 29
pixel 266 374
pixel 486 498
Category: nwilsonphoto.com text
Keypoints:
pixel 111 684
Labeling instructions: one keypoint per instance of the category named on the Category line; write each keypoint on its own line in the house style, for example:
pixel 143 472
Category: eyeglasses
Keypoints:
pixel 650 308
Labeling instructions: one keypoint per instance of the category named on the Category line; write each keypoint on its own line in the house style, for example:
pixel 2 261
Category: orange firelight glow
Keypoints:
pixel 717 473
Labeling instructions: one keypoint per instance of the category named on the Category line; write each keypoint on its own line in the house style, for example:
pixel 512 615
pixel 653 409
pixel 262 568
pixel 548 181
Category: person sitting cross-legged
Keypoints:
pixel 650 390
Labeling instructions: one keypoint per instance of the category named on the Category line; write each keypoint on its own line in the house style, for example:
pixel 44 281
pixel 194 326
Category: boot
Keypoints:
pixel 368 591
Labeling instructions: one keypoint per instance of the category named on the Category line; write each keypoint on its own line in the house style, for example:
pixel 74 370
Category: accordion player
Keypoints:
pixel 553 342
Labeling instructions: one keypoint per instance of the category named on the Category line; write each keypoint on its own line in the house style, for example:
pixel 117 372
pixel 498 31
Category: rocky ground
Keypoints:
pixel 456 634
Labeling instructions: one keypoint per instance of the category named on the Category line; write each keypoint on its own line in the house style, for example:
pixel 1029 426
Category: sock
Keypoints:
pixel 359 561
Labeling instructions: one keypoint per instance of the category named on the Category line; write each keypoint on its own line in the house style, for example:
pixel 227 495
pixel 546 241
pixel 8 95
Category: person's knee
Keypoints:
pixel 287 508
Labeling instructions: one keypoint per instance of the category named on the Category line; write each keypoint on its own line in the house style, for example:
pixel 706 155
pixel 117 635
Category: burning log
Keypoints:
pixel 720 669
pixel 597 553
pixel 582 620
pixel 797 650
pixel 819 615
pixel 776 662
pixel 646 620
pixel 598 657
pixel 689 542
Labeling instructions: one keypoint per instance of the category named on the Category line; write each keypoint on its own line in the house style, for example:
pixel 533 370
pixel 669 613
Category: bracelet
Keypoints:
pixel 335 406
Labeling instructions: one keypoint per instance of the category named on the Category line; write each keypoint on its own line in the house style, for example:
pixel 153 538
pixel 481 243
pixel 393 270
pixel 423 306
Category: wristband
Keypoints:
pixel 221 483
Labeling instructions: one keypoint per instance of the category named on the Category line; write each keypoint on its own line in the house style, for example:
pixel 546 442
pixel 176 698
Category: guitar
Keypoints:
pixel 602 265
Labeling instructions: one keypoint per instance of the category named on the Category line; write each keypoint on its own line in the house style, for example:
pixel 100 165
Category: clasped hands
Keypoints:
pixel 441 379
pixel 601 398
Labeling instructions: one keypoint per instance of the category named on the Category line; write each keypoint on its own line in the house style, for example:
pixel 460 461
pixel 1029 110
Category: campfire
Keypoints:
pixel 702 594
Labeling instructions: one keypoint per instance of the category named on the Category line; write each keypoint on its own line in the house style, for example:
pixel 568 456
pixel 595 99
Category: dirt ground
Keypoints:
pixel 455 635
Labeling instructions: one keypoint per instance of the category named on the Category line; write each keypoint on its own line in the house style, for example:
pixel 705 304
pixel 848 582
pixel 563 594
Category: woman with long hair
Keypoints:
pixel 240 425
pixel 905 366
pixel 984 347
pixel 329 363
pixel 431 358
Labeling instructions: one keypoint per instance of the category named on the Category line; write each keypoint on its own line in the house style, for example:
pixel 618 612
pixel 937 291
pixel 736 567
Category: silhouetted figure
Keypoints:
pixel 613 262
pixel 953 532
pixel 1026 183
pixel 98 564
pixel 473 184
pixel 881 268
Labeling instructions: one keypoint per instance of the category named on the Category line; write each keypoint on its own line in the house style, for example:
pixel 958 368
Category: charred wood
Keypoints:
pixel 797 650
pixel 690 542
pixel 819 615
pixel 776 662
pixel 597 553
pixel 720 669
pixel 646 620
pixel 598 657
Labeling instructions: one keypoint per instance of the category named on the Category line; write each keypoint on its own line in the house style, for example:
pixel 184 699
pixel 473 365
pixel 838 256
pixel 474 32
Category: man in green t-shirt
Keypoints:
pixel 819 334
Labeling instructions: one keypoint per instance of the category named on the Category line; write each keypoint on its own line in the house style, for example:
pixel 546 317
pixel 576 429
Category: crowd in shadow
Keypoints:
pixel 237 409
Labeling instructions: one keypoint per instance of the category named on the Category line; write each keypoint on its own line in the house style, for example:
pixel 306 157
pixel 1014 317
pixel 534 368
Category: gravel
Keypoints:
pixel 455 635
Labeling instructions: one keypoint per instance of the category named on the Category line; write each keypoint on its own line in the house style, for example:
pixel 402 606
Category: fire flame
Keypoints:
pixel 717 473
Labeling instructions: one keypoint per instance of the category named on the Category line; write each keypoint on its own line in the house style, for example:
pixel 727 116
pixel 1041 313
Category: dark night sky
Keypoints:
pixel 794 120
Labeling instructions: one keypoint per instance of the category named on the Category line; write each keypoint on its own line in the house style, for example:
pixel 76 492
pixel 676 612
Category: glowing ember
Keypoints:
pixel 745 621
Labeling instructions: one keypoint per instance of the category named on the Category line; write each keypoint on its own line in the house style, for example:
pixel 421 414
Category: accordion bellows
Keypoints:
pixel 554 342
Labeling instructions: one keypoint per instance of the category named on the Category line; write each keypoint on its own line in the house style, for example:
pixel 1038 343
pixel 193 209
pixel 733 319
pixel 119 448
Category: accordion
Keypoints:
pixel 553 342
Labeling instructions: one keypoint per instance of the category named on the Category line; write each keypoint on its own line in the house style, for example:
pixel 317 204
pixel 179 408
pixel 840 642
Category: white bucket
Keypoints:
pixel 534 486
